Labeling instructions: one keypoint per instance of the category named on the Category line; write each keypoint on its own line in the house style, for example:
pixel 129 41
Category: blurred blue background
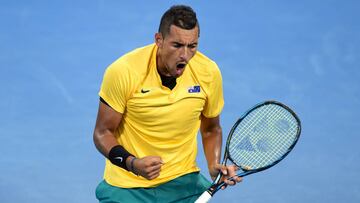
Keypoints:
pixel 305 54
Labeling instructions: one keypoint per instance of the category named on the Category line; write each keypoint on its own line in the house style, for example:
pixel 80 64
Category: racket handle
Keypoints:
pixel 205 197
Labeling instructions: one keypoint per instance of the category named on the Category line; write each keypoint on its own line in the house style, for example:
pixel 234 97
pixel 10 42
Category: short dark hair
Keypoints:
pixel 179 15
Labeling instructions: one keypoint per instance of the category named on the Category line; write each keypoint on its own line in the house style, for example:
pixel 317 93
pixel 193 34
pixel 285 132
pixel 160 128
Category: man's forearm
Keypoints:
pixel 212 142
pixel 104 141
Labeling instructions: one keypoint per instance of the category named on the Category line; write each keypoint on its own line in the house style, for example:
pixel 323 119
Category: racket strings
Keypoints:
pixel 265 129
pixel 280 144
pixel 256 142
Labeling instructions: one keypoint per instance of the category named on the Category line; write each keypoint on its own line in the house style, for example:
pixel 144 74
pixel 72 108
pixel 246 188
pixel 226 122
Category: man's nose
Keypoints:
pixel 184 53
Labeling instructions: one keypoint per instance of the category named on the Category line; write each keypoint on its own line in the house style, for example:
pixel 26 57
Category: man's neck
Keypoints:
pixel 160 65
pixel 168 81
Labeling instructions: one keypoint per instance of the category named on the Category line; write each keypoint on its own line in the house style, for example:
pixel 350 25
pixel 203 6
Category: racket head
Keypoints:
pixel 262 137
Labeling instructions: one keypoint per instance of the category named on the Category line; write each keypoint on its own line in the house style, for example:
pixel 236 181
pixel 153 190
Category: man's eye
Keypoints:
pixel 177 45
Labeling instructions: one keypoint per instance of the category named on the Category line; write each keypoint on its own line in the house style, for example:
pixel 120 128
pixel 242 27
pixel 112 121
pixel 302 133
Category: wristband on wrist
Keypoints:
pixel 118 156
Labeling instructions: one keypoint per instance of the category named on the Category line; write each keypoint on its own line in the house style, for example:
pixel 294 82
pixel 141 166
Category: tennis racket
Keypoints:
pixel 261 138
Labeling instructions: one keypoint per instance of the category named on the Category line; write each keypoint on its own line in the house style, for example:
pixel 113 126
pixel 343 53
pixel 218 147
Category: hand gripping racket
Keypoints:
pixel 261 138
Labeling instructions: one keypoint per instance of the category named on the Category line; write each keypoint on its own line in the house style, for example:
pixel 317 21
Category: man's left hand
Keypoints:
pixel 227 171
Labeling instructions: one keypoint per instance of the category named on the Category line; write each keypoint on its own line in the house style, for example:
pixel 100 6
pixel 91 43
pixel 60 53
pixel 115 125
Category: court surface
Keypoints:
pixel 305 54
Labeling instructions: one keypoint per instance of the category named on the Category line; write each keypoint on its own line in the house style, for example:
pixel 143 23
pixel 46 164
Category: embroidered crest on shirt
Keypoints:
pixel 194 89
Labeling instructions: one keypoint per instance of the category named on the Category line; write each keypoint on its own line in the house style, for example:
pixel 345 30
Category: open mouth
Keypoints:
pixel 181 65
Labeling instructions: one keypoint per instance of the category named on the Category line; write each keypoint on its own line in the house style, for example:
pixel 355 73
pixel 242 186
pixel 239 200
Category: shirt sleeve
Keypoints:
pixel 215 99
pixel 116 87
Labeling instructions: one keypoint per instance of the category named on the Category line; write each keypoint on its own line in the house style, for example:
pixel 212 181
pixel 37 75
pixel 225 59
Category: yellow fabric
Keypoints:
pixel 156 120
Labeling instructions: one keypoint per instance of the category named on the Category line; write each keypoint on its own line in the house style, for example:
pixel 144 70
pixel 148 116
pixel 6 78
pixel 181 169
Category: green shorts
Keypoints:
pixel 186 188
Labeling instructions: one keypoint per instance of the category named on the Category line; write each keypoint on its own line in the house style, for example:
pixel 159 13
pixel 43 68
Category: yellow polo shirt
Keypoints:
pixel 158 121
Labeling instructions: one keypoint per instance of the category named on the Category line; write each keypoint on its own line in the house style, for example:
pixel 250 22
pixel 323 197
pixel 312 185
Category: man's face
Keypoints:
pixel 175 50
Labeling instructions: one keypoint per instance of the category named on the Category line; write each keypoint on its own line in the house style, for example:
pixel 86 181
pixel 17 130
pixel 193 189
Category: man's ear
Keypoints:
pixel 159 39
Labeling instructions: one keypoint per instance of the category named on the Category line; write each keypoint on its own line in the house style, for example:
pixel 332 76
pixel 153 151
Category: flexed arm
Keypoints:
pixel 105 141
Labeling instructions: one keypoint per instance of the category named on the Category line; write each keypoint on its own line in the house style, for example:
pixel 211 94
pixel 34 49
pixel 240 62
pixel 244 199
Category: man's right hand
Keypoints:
pixel 148 167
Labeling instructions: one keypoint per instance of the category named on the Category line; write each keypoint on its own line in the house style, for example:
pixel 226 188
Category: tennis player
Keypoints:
pixel 153 101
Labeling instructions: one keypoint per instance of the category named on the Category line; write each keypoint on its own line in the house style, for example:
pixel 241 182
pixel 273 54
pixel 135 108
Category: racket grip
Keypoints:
pixel 204 197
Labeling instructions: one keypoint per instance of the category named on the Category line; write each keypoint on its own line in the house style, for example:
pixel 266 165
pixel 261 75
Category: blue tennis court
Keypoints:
pixel 305 54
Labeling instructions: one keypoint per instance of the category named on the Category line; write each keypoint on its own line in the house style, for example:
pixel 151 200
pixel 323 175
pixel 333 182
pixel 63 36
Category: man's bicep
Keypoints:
pixel 106 123
pixel 107 118
pixel 210 124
